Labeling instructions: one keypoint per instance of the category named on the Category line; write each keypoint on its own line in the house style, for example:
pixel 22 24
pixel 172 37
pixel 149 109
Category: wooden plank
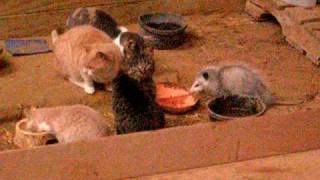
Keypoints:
pixel 279 135
pixel 294 22
pixel 255 11
pixel 304 16
pixel 293 166
pixel 167 150
pixel 124 156
pixel 271 4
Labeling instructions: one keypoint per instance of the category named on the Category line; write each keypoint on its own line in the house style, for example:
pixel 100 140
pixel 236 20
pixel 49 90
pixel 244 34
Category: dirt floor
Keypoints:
pixel 215 38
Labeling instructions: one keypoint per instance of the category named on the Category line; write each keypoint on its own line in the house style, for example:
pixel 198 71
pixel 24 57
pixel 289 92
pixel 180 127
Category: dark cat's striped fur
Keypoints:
pixel 134 102
pixel 95 17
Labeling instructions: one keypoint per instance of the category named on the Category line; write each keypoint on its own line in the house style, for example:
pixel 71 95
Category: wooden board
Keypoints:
pixel 295 23
pixel 296 166
pixel 167 150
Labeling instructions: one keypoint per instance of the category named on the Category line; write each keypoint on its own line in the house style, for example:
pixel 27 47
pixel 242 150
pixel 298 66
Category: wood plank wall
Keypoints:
pixel 23 18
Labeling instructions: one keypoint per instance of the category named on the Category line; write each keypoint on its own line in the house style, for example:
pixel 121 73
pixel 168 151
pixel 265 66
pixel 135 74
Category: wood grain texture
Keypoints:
pixel 294 22
pixel 23 18
pixel 291 167
pixel 171 149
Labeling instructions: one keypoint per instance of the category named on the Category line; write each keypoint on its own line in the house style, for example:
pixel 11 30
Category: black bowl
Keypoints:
pixel 163 30
pixel 232 107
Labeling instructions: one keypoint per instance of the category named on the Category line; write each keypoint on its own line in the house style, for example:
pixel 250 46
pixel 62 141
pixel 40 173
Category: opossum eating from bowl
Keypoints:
pixel 232 80
pixel 68 123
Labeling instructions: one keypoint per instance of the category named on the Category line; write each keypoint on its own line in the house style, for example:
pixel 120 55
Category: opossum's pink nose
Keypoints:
pixel 192 89
pixel 195 88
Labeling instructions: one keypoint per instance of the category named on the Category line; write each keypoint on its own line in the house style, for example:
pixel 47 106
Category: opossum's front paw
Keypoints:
pixel 89 89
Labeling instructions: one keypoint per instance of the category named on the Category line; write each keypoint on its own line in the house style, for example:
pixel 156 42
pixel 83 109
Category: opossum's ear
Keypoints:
pixel 205 75
pixel 28 111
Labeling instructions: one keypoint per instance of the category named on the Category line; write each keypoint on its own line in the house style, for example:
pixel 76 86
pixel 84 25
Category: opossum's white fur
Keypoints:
pixel 43 126
pixel 232 79
pixel 68 123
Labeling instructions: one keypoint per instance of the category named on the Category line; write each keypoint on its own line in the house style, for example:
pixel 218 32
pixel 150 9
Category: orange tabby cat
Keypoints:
pixel 85 54
pixel 68 123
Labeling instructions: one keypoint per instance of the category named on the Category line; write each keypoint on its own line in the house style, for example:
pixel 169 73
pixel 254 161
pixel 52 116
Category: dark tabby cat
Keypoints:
pixel 134 89
pixel 97 18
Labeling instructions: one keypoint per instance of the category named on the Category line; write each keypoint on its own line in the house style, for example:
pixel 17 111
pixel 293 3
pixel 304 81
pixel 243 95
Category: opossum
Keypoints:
pixel 68 123
pixel 232 80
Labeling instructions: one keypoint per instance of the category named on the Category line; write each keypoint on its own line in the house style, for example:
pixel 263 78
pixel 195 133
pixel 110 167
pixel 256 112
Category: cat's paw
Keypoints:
pixel 89 89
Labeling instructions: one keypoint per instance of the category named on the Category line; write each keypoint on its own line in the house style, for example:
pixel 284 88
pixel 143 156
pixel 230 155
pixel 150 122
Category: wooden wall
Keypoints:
pixel 22 18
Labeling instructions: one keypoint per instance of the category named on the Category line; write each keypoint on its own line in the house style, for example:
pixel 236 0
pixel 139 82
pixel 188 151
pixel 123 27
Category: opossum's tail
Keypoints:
pixel 288 103
pixel 271 100
pixel 265 94
pixel 54 36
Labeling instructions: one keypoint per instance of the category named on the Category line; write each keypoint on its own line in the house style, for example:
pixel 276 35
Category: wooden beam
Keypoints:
pixel 167 150
pixel 304 165
pixel 295 23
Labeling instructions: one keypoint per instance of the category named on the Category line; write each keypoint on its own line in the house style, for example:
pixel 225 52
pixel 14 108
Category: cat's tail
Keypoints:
pixel 54 36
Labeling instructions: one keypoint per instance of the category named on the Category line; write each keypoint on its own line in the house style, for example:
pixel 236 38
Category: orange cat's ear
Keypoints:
pixel 102 54
pixel 99 60
pixel 33 109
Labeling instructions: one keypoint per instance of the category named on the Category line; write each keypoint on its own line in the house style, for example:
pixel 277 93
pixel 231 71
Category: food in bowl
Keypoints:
pixel 174 99
pixel 235 107
pixel 163 30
